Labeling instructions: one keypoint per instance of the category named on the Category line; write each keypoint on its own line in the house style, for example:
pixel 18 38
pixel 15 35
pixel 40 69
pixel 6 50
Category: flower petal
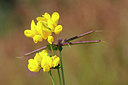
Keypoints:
pixel 33 27
pixel 46 63
pixel 46 68
pixel 33 65
pixel 50 39
pixel 56 61
pixel 55 17
pixel 37 38
pixel 43 53
pixel 46 16
pixel 28 33
pixel 58 29
pixel 40 18
pixel 39 27
pixel 46 33
pixel 38 58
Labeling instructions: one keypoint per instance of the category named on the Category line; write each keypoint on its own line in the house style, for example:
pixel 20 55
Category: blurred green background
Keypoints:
pixel 104 63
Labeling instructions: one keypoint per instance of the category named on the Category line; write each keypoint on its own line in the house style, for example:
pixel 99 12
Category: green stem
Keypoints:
pixel 52 49
pixel 62 68
pixel 59 76
pixel 51 77
pixel 57 68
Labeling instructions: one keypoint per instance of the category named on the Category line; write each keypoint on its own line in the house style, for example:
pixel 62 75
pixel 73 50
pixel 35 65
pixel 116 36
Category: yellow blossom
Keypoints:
pixel 46 33
pixel 28 33
pixel 55 17
pixel 38 32
pixel 43 53
pixel 44 18
pixel 46 63
pixel 39 56
pixel 37 38
pixel 43 60
pixel 58 29
pixel 50 39
pixel 33 27
pixel 31 33
pixel 33 65
pixel 51 21
pixel 56 60
pixel 44 28
pixel 51 25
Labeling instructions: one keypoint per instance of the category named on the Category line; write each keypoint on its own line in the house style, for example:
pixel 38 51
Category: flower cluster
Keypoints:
pixel 46 25
pixel 43 60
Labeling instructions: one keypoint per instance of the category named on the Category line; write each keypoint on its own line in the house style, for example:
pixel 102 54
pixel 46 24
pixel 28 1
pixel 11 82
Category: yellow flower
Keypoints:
pixel 44 28
pixel 43 53
pixel 39 56
pixel 46 63
pixel 51 25
pixel 50 39
pixel 55 17
pixel 44 18
pixel 56 60
pixel 33 33
pixel 51 22
pixel 46 33
pixel 37 38
pixel 58 29
pixel 28 33
pixel 33 65
pixel 43 60
pixel 38 32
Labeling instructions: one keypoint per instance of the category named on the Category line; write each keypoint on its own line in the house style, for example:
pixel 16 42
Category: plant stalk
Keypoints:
pixel 52 50
pixel 62 73
pixel 63 44
pixel 57 68
pixel 59 76
pixel 51 77
pixel 79 36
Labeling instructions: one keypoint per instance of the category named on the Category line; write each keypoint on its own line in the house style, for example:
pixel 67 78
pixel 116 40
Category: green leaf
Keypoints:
pixel 53 46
